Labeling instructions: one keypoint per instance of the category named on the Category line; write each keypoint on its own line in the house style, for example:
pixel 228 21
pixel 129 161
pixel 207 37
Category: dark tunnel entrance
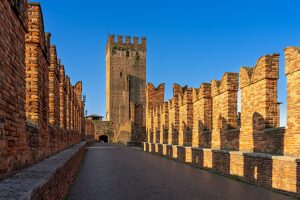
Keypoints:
pixel 103 138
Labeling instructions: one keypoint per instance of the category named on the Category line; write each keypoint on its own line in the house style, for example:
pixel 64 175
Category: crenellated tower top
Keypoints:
pixel 126 43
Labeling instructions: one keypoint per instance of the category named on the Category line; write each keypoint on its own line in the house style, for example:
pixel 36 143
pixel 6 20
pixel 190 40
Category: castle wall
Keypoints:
pixel 292 71
pixel 54 101
pixel 259 104
pixel 62 97
pixel 256 150
pixel 37 63
pixel 224 109
pixel 13 147
pixel 32 121
pixel 173 137
pixel 185 117
pixel 164 123
pixel 202 116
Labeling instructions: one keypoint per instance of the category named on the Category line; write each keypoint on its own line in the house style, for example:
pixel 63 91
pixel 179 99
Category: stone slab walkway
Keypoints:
pixel 115 172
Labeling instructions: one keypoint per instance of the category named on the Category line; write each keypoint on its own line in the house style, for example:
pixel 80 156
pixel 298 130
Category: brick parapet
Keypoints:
pixel 229 82
pixel 13 27
pixel 259 102
pixel 204 91
pixel 30 91
pixel 202 113
pixel 266 170
pixel 62 97
pixel 54 115
pixel 292 70
pixel 185 116
pixel 224 106
pixel 52 177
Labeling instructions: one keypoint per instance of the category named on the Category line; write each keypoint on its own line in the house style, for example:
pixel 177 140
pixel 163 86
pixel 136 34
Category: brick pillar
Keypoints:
pixel 37 62
pixel 37 85
pixel 82 124
pixel 158 124
pixel 68 103
pixel 161 135
pixel 62 97
pixel 224 106
pixel 151 124
pixel 159 139
pixel 292 71
pixel 174 115
pixel 71 108
pixel 154 98
pixel 76 115
pixel 259 101
pixel 202 109
pixel 74 109
pixel 164 122
pixel 185 117
pixel 54 116
pixel 155 123
pixel 171 122
pixel 79 115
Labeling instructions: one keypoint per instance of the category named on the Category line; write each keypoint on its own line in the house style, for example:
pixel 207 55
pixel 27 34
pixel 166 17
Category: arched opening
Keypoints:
pixel 103 138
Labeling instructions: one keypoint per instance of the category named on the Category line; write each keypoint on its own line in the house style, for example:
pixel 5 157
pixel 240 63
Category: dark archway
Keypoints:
pixel 103 138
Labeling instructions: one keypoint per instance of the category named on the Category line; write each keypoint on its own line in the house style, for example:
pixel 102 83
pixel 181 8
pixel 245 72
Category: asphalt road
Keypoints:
pixel 115 172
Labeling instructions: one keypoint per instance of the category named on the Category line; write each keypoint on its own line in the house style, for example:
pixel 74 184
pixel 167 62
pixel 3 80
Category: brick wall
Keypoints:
pixel 255 148
pixel 125 86
pixel 164 123
pixel 259 102
pixel 52 177
pixel 224 108
pixel 90 128
pixel 33 91
pixel 62 97
pixel 174 116
pixel 202 115
pixel 154 98
pixel 185 117
pixel 292 70
pixel 37 85
pixel 13 27
pixel 54 116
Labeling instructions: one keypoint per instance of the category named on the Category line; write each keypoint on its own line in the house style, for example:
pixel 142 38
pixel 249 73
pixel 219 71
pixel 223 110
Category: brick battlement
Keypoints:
pixel 204 91
pixel 201 126
pixel 267 67
pixel 36 94
pixel 186 96
pixel 120 44
pixel 228 82
pixel 292 61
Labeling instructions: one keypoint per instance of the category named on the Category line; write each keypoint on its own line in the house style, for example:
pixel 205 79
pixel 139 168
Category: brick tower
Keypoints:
pixel 125 87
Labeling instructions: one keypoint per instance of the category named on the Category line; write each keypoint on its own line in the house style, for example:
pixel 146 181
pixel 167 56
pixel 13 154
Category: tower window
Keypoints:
pixel 127 53
pixel 121 74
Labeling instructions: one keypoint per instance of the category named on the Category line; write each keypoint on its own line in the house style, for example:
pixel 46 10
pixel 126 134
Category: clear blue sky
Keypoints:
pixel 188 42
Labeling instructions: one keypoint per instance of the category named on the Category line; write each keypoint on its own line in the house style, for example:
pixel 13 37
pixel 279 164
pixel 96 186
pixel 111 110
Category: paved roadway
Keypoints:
pixel 115 172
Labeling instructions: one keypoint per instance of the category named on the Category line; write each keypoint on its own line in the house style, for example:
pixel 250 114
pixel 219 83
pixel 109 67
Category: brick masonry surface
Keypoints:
pixel 125 87
pixel 41 113
pixel 201 126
